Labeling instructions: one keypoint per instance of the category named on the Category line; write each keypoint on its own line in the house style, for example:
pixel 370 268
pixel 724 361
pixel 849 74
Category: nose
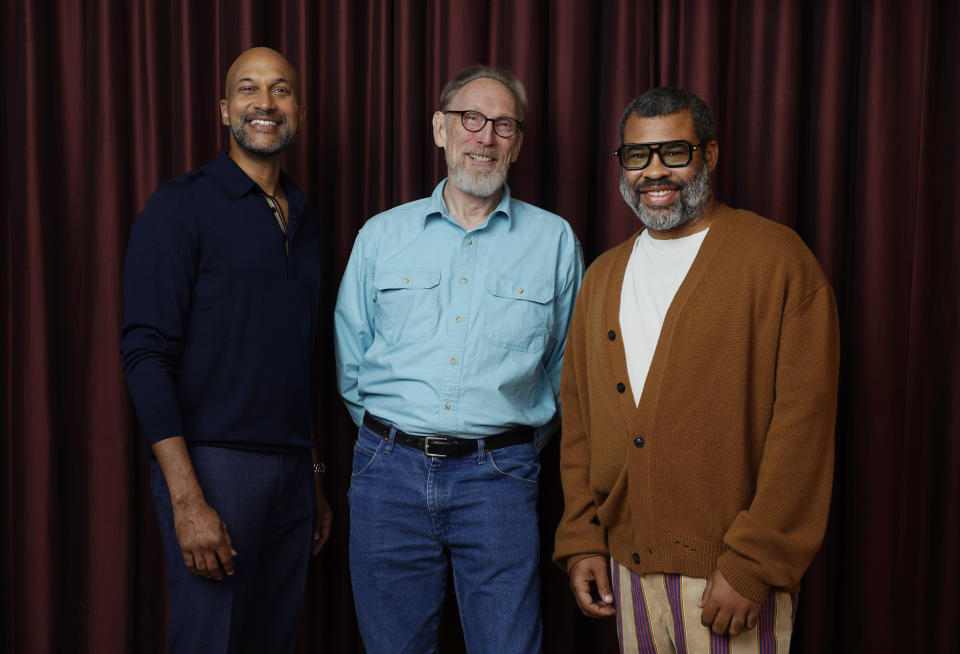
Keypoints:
pixel 486 134
pixel 265 100
pixel 655 169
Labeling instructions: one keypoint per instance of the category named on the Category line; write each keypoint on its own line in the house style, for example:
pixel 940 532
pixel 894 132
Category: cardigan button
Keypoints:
pixel 612 335
pixel 636 558
pixel 621 387
pixel 638 441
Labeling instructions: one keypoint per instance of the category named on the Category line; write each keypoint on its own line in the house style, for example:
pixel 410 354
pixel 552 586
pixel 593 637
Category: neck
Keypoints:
pixel 467 210
pixel 698 224
pixel 264 170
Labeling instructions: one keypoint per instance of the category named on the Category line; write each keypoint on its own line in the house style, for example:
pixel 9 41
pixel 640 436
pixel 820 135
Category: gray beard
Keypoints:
pixel 479 186
pixel 240 136
pixel 692 201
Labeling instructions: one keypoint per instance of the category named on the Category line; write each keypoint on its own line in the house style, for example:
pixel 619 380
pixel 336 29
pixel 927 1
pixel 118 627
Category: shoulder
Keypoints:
pixel 613 260
pixel 529 215
pixel 397 218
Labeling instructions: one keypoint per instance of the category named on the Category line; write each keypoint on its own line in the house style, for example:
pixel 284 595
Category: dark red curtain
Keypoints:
pixel 836 118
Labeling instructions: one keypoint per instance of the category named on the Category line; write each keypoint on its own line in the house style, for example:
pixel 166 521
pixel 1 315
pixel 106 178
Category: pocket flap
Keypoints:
pixel 393 279
pixel 532 290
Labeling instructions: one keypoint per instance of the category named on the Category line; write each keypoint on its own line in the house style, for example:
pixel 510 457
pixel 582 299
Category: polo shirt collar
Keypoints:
pixel 236 183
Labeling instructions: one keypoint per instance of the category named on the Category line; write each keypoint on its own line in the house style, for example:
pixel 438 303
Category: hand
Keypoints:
pixel 725 610
pixel 324 516
pixel 204 540
pixel 595 569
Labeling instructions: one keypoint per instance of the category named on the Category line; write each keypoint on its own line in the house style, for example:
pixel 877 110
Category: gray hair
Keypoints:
pixel 667 101
pixel 505 77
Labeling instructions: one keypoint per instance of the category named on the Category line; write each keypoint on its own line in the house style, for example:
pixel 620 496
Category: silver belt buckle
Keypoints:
pixel 430 439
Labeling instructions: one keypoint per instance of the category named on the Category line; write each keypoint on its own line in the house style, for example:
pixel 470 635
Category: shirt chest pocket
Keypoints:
pixel 517 312
pixel 407 304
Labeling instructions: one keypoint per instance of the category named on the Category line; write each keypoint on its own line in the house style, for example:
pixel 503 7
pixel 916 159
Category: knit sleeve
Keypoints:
pixel 772 543
pixel 579 534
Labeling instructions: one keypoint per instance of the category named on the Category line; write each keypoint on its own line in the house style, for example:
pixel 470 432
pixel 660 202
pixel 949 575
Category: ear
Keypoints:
pixel 711 153
pixel 224 115
pixel 439 129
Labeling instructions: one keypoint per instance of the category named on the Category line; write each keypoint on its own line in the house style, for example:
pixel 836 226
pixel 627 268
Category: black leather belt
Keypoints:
pixel 448 445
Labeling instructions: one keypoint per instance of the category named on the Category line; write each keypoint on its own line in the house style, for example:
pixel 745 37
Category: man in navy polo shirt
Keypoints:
pixel 221 285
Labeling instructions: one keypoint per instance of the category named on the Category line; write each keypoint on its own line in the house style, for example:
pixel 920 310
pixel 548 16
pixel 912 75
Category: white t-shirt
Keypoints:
pixel 654 273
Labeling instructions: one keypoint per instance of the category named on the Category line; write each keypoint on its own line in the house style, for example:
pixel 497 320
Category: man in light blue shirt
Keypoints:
pixel 450 327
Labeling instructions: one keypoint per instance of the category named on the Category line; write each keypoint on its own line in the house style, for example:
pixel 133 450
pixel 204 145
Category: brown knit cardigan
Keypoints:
pixel 728 459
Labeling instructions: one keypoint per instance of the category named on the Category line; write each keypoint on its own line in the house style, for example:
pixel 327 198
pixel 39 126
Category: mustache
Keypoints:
pixel 278 118
pixel 653 184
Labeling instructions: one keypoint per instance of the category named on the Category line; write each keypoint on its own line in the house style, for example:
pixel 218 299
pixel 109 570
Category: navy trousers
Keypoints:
pixel 268 503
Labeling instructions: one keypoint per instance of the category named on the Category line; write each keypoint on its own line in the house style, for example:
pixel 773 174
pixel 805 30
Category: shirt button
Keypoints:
pixel 463 280
pixel 612 335
pixel 446 405
pixel 621 387
pixel 638 441
pixel 405 280
pixel 459 318
pixel 453 362
pixel 469 241
pixel 636 558
pixel 520 291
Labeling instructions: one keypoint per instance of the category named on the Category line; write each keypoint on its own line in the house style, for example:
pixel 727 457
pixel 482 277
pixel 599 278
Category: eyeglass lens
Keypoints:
pixel 474 121
pixel 673 154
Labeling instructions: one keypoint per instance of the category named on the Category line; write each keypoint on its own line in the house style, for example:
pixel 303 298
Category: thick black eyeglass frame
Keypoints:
pixel 655 149
pixel 485 121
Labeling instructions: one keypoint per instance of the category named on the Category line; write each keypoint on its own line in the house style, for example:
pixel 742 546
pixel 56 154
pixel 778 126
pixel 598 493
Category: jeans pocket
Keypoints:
pixel 518 462
pixel 366 450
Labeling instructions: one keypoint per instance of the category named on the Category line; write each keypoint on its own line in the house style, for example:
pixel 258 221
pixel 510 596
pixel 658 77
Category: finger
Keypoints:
pixel 602 579
pixel 189 562
pixel 225 555
pixel 708 615
pixel 226 538
pixel 705 597
pixel 212 565
pixel 721 622
pixel 753 617
pixel 736 624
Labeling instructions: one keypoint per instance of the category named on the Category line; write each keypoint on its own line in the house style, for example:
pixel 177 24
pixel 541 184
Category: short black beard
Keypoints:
pixel 240 136
pixel 692 201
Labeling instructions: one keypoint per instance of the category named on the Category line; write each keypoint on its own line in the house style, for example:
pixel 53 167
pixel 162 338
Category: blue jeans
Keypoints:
pixel 269 505
pixel 411 515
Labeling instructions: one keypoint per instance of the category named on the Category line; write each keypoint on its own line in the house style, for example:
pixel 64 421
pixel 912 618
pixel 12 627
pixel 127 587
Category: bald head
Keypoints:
pixel 258 60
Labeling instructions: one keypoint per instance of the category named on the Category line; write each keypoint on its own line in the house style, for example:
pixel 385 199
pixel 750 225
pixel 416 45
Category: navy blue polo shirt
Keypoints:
pixel 220 312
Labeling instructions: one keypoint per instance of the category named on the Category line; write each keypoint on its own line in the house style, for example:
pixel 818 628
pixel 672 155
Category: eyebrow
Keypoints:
pixel 279 80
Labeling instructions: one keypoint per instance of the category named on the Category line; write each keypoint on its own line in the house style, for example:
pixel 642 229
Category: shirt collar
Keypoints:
pixel 437 207
pixel 235 183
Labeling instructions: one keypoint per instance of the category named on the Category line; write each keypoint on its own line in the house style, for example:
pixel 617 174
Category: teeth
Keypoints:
pixel 479 157
pixel 658 193
pixel 266 123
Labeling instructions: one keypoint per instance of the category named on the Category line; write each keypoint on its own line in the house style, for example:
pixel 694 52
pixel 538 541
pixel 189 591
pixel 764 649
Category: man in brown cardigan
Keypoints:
pixel 699 399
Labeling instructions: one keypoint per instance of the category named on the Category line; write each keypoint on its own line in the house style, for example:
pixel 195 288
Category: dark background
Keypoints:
pixel 835 118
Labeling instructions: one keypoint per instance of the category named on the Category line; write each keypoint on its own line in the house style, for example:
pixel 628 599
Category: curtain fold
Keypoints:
pixel 834 118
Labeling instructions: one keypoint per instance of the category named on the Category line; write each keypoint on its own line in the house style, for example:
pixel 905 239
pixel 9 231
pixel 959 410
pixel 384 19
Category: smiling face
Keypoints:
pixel 669 201
pixel 262 107
pixel 478 162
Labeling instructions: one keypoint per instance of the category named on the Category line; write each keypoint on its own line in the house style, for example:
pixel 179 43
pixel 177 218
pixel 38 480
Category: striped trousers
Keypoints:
pixel 658 614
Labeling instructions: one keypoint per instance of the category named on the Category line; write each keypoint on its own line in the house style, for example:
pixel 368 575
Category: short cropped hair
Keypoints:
pixel 467 75
pixel 667 101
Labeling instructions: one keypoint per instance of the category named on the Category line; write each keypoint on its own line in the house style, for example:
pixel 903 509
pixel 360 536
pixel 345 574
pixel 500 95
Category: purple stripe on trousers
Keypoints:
pixel 766 638
pixel 645 644
pixel 719 644
pixel 675 597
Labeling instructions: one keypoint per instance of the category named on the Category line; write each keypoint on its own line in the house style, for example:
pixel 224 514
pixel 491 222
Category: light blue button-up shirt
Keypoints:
pixel 443 331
